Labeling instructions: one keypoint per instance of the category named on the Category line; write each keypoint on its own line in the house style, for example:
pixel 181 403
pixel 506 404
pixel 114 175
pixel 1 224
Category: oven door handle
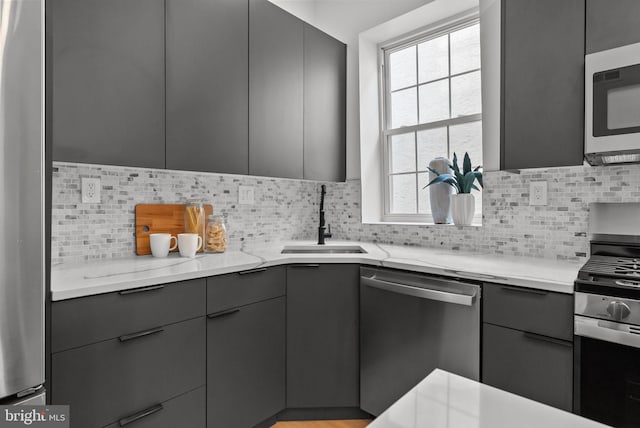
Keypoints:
pixel 609 331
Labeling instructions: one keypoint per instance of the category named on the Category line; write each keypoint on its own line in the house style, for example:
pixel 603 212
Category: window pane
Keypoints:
pixel 465 95
pixel 404 110
pixel 402 68
pixel 403 194
pixel 403 153
pixel 424 204
pixel 434 101
pixel 467 138
pixel 432 143
pixel 465 49
pixel 433 59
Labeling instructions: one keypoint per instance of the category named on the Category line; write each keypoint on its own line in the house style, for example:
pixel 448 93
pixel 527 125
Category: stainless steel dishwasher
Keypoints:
pixel 411 324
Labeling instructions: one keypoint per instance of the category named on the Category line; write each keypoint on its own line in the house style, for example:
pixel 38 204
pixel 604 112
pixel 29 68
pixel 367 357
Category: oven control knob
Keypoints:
pixel 618 310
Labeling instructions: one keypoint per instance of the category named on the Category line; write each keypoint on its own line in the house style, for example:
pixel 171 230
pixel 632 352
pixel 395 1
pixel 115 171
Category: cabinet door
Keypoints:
pixel 322 336
pixel 108 81
pixel 531 365
pixel 324 106
pixel 275 91
pixel 207 85
pixel 543 83
pixel 611 24
pixel 246 364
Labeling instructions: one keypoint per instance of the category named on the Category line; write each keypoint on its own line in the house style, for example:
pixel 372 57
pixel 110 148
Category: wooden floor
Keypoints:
pixel 323 424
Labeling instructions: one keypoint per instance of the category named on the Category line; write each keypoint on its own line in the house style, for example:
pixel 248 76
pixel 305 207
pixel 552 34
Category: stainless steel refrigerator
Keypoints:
pixel 22 238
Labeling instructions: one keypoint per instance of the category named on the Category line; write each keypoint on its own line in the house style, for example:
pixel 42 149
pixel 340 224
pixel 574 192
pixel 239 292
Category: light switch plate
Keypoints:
pixel 90 190
pixel 246 195
pixel 538 193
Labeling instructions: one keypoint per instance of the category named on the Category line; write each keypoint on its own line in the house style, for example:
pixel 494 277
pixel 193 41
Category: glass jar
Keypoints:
pixel 215 240
pixel 194 219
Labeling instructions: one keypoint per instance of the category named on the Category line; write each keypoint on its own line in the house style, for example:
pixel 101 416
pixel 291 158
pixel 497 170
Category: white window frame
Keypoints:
pixel 385 49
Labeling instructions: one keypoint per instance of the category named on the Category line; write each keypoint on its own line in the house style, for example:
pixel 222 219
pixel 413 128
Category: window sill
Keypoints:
pixel 407 223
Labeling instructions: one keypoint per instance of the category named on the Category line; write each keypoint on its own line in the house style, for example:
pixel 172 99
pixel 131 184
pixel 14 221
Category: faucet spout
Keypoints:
pixel 321 227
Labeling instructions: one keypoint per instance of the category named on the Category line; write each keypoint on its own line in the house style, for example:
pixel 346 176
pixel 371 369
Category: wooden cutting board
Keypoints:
pixel 160 218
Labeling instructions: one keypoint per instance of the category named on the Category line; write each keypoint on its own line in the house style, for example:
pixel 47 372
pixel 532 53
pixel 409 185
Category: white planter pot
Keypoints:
pixel 463 205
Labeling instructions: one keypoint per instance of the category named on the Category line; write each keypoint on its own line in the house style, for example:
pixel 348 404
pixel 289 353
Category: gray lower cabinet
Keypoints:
pixel 275 91
pixel 323 336
pixel 246 364
pixel 325 65
pixel 611 24
pixel 542 83
pixel 108 81
pixel 207 85
pixel 527 364
pixel 245 347
pixel 186 410
pixel 527 346
pixel 117 379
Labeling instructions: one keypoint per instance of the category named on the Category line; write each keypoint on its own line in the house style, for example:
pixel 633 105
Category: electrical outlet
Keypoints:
pixel 538 193
pixel 246 195
pixel 90 190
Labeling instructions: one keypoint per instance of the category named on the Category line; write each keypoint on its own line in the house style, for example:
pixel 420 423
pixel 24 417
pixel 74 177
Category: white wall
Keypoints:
pixel 344 20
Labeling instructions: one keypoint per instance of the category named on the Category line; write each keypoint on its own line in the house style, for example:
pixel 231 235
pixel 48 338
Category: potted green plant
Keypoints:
pixel 462 203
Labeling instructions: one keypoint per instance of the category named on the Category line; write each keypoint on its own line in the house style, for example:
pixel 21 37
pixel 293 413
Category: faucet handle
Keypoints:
pixel 328 233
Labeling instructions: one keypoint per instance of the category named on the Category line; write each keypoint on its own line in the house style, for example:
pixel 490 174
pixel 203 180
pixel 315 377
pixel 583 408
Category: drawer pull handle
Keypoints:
pixel 547 339
pixel 222 313
pixel 524 290
pixel 141 290
pixel 141 414
pixel 140 334
pixel 247 272
pixel 308 265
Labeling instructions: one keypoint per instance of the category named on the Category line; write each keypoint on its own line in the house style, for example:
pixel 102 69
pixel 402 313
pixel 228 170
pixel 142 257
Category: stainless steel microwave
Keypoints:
pixel 612 106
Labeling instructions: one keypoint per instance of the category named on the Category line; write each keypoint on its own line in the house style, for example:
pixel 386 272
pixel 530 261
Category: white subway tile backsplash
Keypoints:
pixel 287 209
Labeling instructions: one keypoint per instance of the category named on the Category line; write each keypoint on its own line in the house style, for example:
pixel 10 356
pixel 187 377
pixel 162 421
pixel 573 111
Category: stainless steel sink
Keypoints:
pixel 323 249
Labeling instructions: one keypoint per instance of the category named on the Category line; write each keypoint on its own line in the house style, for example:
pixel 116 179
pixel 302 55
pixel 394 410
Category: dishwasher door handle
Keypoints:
pixel 423 293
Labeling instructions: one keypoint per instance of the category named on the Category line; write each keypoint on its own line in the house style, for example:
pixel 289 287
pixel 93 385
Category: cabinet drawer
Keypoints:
pixel 243 288
pixel 116 378
pixel 535 311
pixel 187 410
pixel 86 320
pixel 533 366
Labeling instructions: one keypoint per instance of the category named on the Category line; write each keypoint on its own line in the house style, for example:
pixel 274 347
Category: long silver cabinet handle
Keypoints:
pixel 141 414
pixel 141 290
pixel 140 334
pixel 423 293
pixel 624 334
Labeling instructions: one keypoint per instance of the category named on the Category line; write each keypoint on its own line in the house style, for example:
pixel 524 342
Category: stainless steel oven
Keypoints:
pixel 612 105
pixel 607 319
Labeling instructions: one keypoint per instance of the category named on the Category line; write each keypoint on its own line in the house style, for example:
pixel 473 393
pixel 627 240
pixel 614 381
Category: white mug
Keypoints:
pixel 189 244
pixel 161 244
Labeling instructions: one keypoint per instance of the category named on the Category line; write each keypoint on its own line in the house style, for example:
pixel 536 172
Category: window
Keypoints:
pixel 432 107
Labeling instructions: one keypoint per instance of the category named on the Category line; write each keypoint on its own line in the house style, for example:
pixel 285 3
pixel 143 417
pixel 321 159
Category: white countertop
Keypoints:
pixel 445 400
pixel 95 277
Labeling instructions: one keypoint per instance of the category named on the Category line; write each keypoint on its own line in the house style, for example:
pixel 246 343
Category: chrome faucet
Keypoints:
pixel 321 229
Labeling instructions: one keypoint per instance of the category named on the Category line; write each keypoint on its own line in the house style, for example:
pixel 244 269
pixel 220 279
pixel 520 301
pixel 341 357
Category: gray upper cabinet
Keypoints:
pixel 611 24
pixel 207 85
pixel 324 106
pixel 275 91
pixel 108 81
pixel 543 83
